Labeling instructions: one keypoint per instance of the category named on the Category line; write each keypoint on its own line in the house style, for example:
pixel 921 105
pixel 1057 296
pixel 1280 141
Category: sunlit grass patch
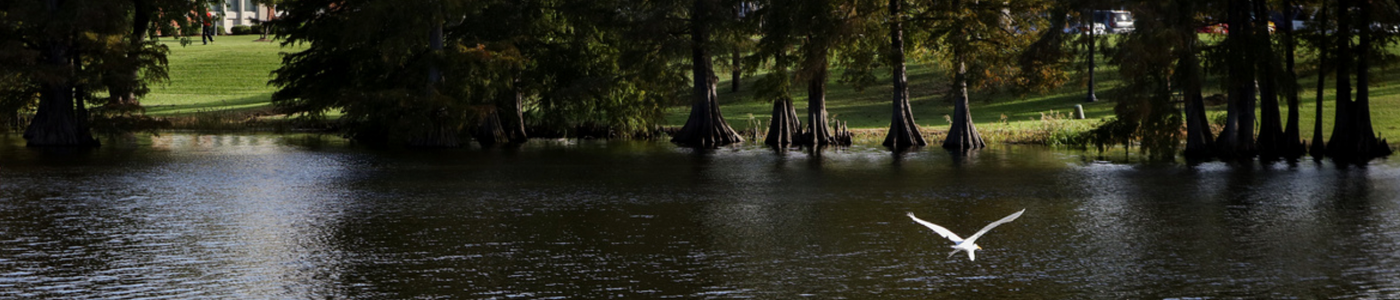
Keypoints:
pixel 230 74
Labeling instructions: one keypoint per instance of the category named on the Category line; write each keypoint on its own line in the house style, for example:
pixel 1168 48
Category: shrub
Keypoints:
pixel 240 30
pixel 255 29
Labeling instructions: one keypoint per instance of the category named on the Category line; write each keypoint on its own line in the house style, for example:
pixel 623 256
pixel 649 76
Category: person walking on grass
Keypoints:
pixel 208 36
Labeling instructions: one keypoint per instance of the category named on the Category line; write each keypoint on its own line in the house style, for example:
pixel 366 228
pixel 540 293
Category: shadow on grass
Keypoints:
pixel 256 102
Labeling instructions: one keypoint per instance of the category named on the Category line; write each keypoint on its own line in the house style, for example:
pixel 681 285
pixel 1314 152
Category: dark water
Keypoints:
pixel 184 216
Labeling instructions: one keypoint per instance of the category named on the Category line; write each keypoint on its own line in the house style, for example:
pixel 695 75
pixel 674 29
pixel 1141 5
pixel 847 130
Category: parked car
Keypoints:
pixel 1080 28
pixel 1114 21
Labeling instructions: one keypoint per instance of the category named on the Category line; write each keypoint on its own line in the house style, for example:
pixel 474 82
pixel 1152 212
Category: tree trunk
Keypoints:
pixel 1237 140
pixel 1291 142
pixel 706 127
pixel 784 126
pixel 962 136
pixel 1270 125
pixel 903 131
pixel 440 131
pixel 489 131
pixel 57 122
pixel 1091 97
pixel 271 15
pixel 1365 136
pixel 817 132
pixel 1318 148
pixel 123 95
pixel 494 129
pixel 515 129
pixel 1363 145
pixel 435 44
pixel 1342 132
pixel 734 73
pixel 1198 135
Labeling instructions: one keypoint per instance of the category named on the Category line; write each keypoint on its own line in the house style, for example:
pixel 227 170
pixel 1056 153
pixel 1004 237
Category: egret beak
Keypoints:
pixel 979 247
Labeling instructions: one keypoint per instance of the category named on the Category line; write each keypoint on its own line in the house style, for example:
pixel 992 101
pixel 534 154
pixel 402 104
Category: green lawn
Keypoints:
pixel 871 109
pixel 231 75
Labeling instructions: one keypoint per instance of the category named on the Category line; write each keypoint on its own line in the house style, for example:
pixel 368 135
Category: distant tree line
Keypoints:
pixel 1258 64
pixel 430 72
pixel 437 73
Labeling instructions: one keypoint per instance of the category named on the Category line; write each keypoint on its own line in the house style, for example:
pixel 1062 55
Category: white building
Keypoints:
pixel 242 12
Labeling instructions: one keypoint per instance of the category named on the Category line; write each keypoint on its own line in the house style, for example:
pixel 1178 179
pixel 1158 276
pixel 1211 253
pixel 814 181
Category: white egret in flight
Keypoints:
pixel 970 244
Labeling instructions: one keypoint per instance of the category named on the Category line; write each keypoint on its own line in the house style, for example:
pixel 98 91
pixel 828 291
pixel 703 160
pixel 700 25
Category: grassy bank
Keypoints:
pixel 226 83
pixel 218 85
pixel 1001 116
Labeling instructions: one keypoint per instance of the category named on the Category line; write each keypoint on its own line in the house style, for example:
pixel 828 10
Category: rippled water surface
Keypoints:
pixel 184 216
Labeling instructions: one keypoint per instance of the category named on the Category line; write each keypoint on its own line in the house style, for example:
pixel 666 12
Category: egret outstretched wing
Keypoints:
pixel 943 231
pixel 1007 219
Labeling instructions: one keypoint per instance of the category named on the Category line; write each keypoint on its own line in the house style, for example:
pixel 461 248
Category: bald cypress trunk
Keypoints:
pixel 123 95
pixel 1291 142
pixel 1338 146
pixel 1270 125
pixel 505 123
pixel 1198 135
pixel 1360 111
pixel 962 136
pixel 783 127
pixel 1318 148
pixel 435 43
pixel 59 120
pixel 515 125
pixel 903 131
pixel 1237 140
pixel 705 128
pixel 489 130
pixel 817 132
pixel 734 72
pixel 1090 32
pixel 441 131
pixel 1359 143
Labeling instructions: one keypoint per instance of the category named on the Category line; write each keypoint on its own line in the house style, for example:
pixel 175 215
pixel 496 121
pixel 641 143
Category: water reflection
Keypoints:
pixel 216 217
pixel 260 216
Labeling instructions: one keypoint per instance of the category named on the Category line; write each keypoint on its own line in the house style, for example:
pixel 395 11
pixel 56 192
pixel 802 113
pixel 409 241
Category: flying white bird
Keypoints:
pixel 970 244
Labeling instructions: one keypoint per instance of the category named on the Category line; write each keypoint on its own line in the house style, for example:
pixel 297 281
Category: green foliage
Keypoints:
pixel 1046 63
pixel 1147 59
pixel 370 60
pixel 1055 129
pixel 588 65
pixel 105 44
pixel 804 35
pixel 1111 132
pixel 987 35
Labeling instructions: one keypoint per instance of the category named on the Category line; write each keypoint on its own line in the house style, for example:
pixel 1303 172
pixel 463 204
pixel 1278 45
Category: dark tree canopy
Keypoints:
pixel 61 56
pixel 557 64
